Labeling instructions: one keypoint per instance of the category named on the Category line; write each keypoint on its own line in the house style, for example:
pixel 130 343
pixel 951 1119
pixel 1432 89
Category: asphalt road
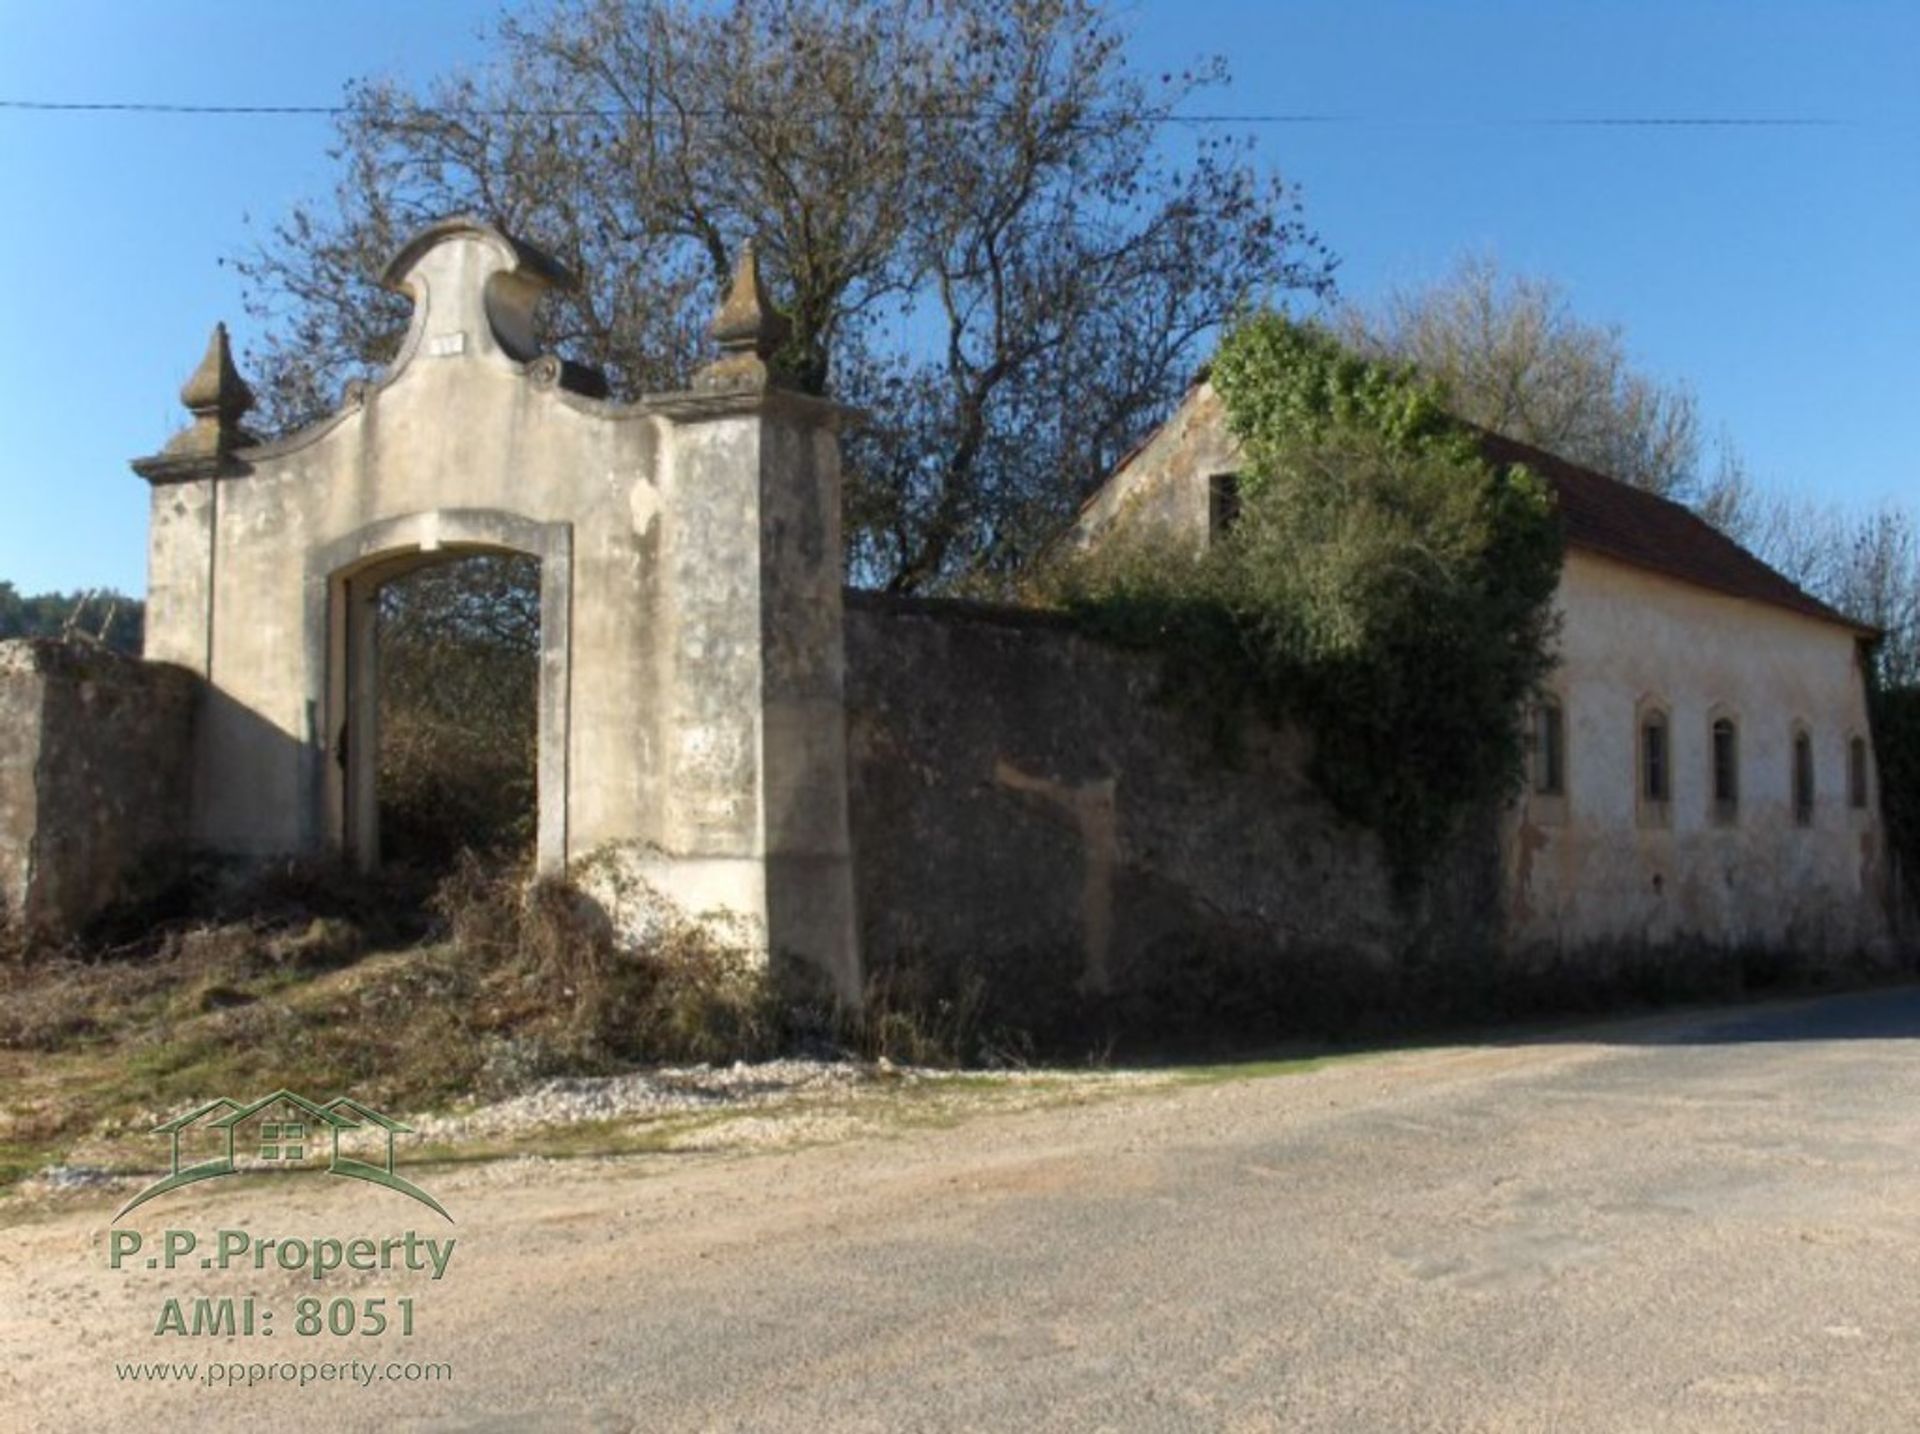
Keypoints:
pixel 1703 1222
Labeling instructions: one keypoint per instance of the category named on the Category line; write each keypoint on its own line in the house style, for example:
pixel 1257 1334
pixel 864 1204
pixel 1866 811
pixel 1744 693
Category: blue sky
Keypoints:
pixel 1773 268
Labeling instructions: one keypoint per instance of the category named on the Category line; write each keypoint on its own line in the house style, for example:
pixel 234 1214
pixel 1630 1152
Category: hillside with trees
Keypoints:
pixel 99 614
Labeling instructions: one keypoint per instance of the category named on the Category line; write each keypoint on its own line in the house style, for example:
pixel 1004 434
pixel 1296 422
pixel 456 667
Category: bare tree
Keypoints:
pixel 1515 358
pixel 1864 563
pixel 971 210
pixel 1880 585
pixel 98 615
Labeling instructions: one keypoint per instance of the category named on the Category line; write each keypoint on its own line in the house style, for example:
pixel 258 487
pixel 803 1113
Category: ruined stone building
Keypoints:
pixel 1701 764
pixel 858 780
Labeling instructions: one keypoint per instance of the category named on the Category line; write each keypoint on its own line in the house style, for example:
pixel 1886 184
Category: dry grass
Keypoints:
pixel 331 985
pixel 326 983
pixel 687 996
pixel 306 978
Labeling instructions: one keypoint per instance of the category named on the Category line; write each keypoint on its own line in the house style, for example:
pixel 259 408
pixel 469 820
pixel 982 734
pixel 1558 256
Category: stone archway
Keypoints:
pixel 344 579
pixel 691 723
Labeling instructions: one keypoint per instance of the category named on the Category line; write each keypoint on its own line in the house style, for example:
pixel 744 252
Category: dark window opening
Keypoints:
pixel 1803 779
pixel 1654 776
pixel 1549 750
pixel 1223 503
pixel 1857 772
pixel 1726 767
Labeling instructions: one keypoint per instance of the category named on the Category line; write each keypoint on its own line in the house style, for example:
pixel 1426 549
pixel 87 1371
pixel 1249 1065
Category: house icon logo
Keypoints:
pixel 282 1131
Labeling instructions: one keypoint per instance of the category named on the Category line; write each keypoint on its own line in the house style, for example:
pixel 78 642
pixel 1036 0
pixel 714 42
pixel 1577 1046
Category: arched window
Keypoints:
pixel 1857 772
pixel 1549 742
pixel 1802 779
pixel 1656 759
pixel 1726 768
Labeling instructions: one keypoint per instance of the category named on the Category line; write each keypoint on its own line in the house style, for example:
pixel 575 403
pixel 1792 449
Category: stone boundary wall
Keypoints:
pixel 95 753
pixel 1026 799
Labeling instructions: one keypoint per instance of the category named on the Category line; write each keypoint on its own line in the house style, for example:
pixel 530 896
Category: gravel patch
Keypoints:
pixel 692 1090
pixel 66 1179
pixel 642 1095
pixel 765 1104
pixel 762 1132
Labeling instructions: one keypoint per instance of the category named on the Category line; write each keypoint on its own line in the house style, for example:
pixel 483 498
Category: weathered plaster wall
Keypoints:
pixel 1599 866
pixel 1163 487
pixel 94 753
pixel 689 545
pixel 452 431
pixel 1589 870
pixel 23 689
pixel 1016 788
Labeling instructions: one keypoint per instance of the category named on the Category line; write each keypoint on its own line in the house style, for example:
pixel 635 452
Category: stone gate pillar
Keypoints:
pixel 752 648
pixel 186 478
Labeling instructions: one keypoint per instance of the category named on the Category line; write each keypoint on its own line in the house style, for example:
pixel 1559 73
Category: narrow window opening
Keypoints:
pixel 1223 504
pixel 1655 776
pixel 1726 768
pixel 1857 772
pixel 1802 779
pixel 1549 750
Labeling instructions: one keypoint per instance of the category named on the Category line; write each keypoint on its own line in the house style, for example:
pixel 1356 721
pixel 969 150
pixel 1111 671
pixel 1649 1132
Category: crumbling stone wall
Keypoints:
pixel 95 751
pixel 1022 794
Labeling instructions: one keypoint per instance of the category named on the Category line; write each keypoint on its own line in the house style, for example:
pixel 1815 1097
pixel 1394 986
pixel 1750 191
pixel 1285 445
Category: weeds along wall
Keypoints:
pixel 1029 812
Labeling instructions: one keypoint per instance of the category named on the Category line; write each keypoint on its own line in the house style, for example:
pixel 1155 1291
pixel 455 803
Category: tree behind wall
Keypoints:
pixel 459 702
pixel 971 210
pixel 1512 355
pixel 1384 587
pixel 1866 564
pixel 99 615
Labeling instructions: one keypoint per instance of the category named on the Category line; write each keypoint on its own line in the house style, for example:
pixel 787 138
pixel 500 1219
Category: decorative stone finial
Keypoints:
pixel 216 390
pixel 217 397
pixel 748 329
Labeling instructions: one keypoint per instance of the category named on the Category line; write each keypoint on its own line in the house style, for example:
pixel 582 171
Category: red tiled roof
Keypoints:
pixel 1616 520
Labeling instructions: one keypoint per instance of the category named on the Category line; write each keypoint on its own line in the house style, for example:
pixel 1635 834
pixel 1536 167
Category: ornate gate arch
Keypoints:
pixel 692 717
pixel 343 582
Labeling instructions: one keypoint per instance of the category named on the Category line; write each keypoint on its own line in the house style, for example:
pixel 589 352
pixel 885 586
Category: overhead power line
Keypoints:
pixel 159 107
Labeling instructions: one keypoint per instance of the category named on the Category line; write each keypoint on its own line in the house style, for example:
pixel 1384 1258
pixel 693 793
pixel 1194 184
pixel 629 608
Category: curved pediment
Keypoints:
pixel 474 291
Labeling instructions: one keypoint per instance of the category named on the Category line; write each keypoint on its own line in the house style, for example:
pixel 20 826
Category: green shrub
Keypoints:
pixel 1385 587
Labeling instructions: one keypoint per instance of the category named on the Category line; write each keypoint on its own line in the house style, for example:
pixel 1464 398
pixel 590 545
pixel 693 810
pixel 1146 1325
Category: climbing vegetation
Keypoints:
pixel 1384 586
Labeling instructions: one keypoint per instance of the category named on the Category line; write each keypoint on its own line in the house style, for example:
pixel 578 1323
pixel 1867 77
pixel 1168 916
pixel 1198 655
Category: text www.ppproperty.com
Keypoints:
pixel 245 1376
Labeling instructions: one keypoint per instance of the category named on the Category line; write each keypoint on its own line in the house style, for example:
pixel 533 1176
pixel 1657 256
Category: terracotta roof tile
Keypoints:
pixel 1616 520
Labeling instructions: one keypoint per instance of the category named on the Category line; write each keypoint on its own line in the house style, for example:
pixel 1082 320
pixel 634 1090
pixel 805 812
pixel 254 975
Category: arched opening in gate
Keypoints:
pixel 458 710
pixel 447 691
